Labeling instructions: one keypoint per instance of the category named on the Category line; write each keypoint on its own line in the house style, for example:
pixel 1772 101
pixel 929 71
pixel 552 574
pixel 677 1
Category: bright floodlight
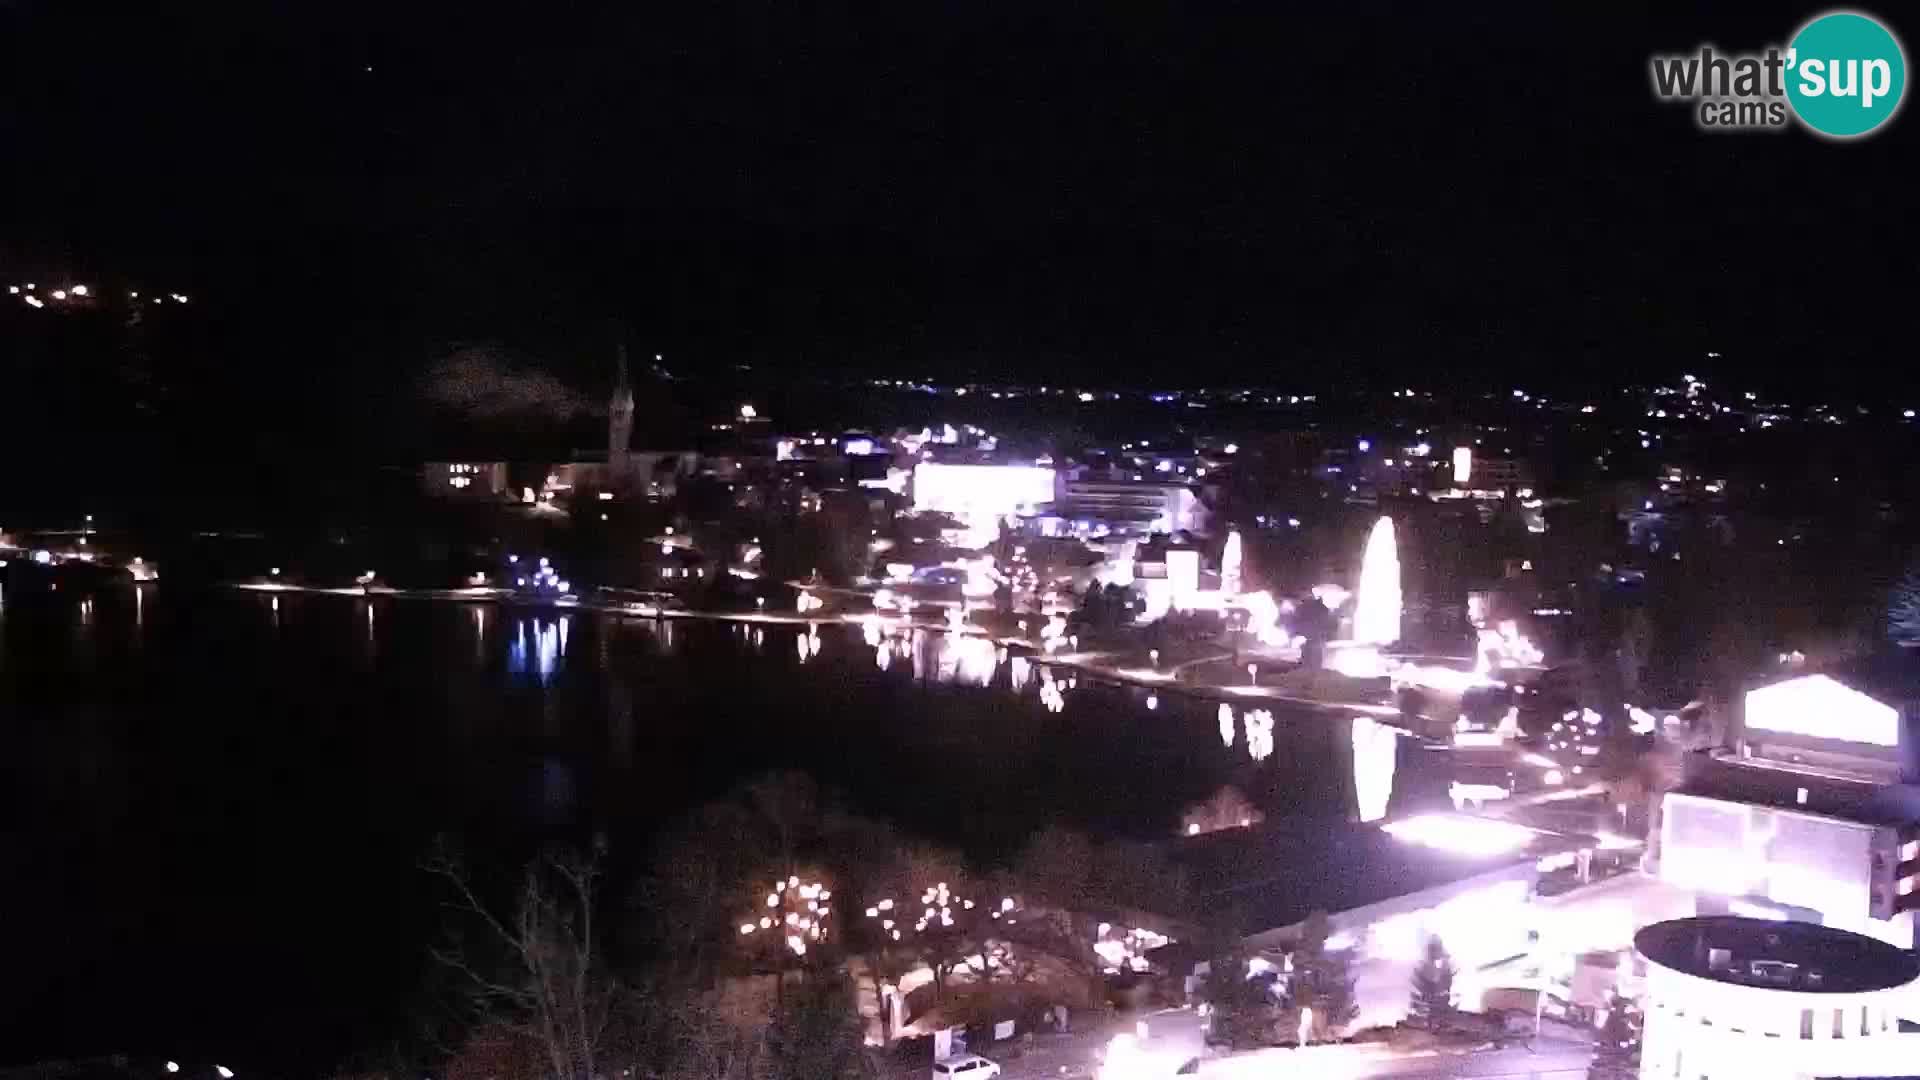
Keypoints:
pixel 1376 610
pixel 1820 707
pixel 79 290
pixel 173 1066
pixel 748 412
pixel 1230 565
pixel 225 1073
pixel 1460 834
pixel 1462 464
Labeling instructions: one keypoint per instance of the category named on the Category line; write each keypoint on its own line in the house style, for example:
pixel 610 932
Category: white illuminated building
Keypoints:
pixel 1813 817
pixel 976 491
pixel 1731 998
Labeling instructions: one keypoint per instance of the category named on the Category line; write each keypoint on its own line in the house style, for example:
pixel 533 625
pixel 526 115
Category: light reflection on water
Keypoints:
pixel 537 646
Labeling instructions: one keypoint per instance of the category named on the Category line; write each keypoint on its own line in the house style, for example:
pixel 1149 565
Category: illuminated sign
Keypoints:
pixel 1818 707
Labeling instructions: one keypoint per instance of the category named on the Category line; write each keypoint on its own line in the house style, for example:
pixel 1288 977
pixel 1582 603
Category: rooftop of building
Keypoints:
pixel 1798 956
pixel 1277 874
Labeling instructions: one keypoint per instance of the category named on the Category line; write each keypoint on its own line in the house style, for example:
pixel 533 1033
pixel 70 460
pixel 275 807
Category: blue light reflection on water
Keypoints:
pixel 538 646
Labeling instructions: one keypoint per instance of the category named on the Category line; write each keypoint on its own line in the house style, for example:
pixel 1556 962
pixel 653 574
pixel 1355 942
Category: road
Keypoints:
pixel 1173 1038
pixel 1556 1062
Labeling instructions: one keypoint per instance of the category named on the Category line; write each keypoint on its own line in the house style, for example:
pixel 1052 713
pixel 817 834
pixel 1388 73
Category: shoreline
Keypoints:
pixel 1091 664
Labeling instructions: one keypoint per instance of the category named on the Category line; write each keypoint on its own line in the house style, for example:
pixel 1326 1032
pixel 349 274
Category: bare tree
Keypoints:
pixel 541 974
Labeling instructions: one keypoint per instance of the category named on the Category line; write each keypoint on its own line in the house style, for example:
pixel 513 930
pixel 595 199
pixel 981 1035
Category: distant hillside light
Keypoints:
pixel 748 412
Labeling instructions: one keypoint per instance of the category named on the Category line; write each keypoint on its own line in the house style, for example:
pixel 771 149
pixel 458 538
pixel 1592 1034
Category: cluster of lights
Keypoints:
pixel 1053 693
pixel 1259 724
pixel 1505 647
pixel 1126 948
pixel 802 911
pixel 30 294
pixel 1053 636
pixel 545 576
pixel 1577 733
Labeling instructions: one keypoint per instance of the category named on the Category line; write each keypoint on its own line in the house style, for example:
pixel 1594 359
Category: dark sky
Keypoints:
pixel 1214 191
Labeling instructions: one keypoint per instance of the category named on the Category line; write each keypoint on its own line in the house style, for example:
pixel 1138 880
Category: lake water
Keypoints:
pixel 217 801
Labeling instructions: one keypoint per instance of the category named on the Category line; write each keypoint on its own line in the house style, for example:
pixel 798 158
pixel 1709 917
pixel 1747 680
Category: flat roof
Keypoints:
pixel 1278 874
pixel 1798 956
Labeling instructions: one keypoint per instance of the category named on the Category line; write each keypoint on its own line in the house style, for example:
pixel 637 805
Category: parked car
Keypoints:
pixel 965 1067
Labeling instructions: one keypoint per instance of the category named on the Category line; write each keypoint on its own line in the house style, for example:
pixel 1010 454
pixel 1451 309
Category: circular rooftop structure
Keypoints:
pixel 1802 957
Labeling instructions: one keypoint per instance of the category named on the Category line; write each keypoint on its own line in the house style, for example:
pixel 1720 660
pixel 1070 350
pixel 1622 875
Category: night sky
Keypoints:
pixel 1222 191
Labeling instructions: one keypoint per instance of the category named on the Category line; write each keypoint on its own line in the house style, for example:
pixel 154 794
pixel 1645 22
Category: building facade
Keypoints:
pixel 1731 998
pixel 1811 816
pixel 464 479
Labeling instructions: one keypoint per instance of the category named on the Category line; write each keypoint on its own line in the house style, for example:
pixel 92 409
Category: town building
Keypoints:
pixel 1812 814
pixel 1729 998
pixel 464 479
pixel 1092 505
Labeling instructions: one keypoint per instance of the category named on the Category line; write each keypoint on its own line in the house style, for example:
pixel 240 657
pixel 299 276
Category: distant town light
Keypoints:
pixel 34 301
pixel 59 294
pixel 748 412
pixel 173 1066
pixel 225 1073
pixel 79 290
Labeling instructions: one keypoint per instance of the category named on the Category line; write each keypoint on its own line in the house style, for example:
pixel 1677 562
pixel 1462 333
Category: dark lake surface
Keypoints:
pixel 217 802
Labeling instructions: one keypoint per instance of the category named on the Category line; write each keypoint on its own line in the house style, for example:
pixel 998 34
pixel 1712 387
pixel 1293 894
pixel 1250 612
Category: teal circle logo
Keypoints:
pixel 1845 74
